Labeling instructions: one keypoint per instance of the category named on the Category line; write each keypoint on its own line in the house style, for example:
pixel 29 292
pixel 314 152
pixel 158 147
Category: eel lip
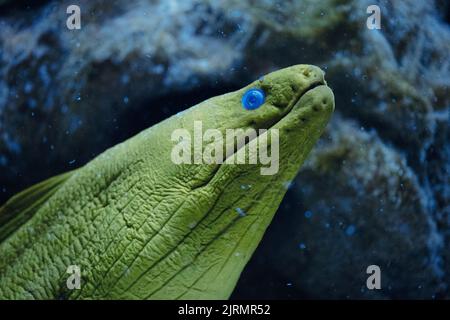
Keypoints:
pixel 311 86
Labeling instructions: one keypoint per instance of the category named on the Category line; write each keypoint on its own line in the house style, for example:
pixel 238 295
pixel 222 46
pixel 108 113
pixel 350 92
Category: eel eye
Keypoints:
pixel 253 99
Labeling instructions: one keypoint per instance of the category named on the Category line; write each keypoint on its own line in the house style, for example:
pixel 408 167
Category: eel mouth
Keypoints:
pixel 292 104
pixel 309 88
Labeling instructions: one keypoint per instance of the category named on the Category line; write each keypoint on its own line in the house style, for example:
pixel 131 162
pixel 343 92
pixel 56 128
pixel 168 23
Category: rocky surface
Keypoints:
pixel 356 203
pixel 375 191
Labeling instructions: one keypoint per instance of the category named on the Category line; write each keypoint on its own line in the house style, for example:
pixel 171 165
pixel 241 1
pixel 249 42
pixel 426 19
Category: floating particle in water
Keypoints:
pixel 3 160
pixel 308 214
pixel 192 225
pixel 32 103
pixel 350 230
pixel 179 114
pixel 44 75
pixel 288 184
pixel 289 284
pixel 72 161
pixel 13 146
pixel 78 98
pixel 241 212
pixel 157 69
pixel 74 124
pixel 51 237
pixel 125 78
pixel 302 246
pixel 126 271
pixel 246 186
pixel 126 100
pixel 64 109
pixel 28 87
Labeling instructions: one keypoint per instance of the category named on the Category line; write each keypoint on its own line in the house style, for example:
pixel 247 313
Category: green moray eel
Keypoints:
pixel 139 226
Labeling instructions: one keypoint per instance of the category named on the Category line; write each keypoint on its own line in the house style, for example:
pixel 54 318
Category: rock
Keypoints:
pixel 355 203
pixel 57 109
pixel 65 96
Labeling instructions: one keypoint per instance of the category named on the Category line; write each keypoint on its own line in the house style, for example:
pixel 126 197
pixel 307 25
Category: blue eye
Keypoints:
pixel 253 99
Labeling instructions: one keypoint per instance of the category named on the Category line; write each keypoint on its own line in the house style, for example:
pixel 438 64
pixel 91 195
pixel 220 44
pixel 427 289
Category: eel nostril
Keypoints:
pixel 294 87
pixel 279 105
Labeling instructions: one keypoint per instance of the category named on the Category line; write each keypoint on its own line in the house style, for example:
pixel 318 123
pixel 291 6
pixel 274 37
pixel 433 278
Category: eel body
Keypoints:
pixel 137 225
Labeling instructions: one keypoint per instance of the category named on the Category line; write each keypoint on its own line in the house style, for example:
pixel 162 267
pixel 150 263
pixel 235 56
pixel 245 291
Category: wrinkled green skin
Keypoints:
pixel 142 227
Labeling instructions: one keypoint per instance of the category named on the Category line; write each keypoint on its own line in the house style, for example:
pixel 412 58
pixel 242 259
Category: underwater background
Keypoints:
pixel 376 188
